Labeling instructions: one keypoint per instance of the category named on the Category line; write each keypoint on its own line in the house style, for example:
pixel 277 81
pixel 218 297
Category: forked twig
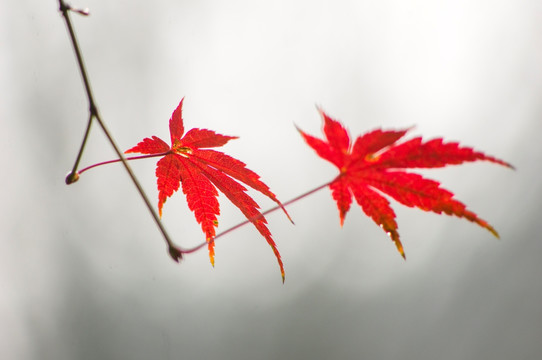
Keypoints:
pixel 174 251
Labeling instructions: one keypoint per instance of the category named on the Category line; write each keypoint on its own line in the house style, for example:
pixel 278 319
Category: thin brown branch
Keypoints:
pixel 174 251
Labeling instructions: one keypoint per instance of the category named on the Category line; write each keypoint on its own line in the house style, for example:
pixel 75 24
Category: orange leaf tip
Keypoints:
pixel 400 248
pixel 492 230
pixel 211 247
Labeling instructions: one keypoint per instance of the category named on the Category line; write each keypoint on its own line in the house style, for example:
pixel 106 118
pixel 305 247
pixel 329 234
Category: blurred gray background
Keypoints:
pixel 84 272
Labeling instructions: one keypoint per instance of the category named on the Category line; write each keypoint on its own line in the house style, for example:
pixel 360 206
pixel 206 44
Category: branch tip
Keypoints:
pixel 72 177
pixel 67 7
pixel 84 12
pixel 175 253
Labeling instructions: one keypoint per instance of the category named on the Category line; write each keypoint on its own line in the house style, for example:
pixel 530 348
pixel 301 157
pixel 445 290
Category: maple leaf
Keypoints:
pixel 375 164
pixel 201 171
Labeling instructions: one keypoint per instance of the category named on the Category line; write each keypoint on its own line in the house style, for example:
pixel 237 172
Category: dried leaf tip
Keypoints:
pixel 400 248
pixel 490 228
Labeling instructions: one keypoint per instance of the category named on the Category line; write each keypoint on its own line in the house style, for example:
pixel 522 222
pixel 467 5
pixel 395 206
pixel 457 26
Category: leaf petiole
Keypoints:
pixel 116 161
pixel 291 201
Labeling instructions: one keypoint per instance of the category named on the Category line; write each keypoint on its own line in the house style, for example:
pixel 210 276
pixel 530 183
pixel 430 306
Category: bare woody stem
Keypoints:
pixel 174 251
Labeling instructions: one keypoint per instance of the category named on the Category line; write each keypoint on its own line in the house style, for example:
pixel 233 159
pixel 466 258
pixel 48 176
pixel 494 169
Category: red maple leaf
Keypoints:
pixel 201 172
pixel 375 163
